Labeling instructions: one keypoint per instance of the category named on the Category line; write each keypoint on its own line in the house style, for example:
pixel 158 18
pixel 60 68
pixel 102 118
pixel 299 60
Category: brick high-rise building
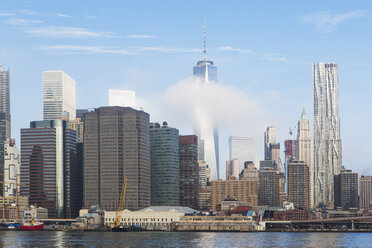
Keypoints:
pixel 165 181
pixel 299 184
pixel 290 149
pixel 365 189
pixel 116 144
pixel 48 167
pixel 189 170
pixel 346 190
pixel 268 193
pixel 242 190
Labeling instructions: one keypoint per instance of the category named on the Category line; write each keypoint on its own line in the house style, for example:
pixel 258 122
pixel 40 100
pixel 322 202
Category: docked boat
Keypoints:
pixel 127 229
pixel 30 222
pixel 32 225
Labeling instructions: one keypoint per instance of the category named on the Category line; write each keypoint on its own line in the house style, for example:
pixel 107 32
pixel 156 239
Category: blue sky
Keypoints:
pixel 264 51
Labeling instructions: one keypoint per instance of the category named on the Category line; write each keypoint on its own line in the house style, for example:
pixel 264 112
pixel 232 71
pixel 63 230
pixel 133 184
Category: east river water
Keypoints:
pixel 163 239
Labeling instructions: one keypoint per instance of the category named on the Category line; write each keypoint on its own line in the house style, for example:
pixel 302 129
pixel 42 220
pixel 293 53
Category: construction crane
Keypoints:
pixel 121 205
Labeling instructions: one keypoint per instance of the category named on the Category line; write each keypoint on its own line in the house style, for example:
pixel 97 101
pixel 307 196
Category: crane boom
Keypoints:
pixel 121 204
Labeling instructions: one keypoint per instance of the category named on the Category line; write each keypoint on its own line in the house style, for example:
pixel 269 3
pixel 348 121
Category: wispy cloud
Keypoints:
pixel 28 12
pixel 63 15
pixel 70 32
pixel 168 49
pixel 90 17
pixel 140 36
pixel 113 50
pixel 22 22
pixel 256 55
pixel 83 49
pixel 325 21
pixel 7 14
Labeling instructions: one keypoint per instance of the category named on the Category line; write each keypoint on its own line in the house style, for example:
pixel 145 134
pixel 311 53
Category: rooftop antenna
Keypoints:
pixel 205 44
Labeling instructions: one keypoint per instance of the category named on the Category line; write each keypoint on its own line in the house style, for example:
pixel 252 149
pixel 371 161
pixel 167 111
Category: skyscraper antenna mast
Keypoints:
pixel 205 44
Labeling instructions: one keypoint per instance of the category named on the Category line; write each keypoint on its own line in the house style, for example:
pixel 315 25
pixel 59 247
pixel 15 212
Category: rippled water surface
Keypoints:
pixel 160 239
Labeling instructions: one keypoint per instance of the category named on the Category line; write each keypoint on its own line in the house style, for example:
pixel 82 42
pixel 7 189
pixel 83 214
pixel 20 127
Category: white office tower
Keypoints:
pixel 232 168
pixel 304 148
pixel 12 163
pixel 270 138
pixel 327 143
pixel 242 148
pixel 59 95
pixel 122 98
pixel 205 72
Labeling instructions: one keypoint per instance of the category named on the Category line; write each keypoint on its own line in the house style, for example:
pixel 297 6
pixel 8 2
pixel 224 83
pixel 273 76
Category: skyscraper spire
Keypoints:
pixel 205 44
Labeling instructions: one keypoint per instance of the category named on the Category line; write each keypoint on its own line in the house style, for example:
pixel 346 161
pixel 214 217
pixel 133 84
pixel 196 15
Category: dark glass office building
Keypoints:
pixel 48 167
pixel 164 165
pixel 189 171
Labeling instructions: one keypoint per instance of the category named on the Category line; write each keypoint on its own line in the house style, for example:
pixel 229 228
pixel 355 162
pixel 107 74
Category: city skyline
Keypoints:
pixel 66 48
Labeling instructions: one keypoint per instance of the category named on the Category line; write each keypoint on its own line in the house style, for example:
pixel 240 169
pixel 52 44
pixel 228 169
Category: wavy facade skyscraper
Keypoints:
pixel 327 142
pixel 207 132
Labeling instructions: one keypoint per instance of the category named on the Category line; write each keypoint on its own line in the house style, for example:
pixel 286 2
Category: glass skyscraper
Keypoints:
pixel 165 183
pixel 242 148
pixel 207 132
pixel 327 141
pixel 5 126
pixel 49 169
pixel 59 95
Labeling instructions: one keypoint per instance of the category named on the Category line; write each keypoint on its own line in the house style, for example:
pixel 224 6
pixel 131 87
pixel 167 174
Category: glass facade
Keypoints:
pixel 164 165
pixel 59 95
pixel 206 71
pixel 48 164
pixel 242 148
pixel 189 171
pixel 207 132
pixel 327 153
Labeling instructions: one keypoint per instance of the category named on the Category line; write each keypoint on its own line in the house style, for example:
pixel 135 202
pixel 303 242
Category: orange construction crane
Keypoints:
pixel 121 204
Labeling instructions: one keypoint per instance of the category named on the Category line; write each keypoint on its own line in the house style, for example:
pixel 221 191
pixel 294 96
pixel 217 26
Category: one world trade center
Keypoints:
pixel 205 72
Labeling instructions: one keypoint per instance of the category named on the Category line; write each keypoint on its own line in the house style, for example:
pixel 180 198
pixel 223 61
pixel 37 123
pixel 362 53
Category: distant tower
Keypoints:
pixel 232 168
pixel 207 132
pixel 5 119
pixel 270 138
pixel 4 91
pixel 122 98
pixel 303 148
pixel 59 95
pixel 242 148
pixel 327 141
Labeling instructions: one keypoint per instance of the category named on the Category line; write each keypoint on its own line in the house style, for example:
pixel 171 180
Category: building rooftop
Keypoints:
pixel 185 210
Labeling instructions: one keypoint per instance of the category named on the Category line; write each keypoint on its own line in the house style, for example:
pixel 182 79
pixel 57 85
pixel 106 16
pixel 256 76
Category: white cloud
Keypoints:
pixel 22 22
pixel 325 21
pixel 83 49
pixel 72 32
pixel 63 15
pixel 256 55
pixel 140 36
